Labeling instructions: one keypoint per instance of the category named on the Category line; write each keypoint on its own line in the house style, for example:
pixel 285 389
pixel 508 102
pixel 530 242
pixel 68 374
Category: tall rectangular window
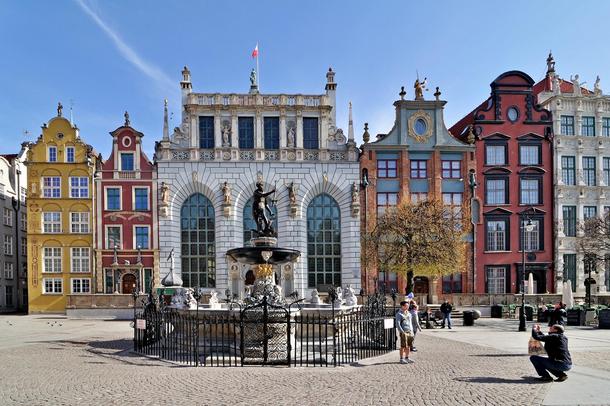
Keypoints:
pixel 8 290
pixel 7 217
pixel 245 127
pixel 497 235
pixel 24 221
pixel 569 221
pixel 452 283
pixel 51 222
pixel 8 245
pixel 529 154
pixel 79 222
pixel 113 198
pixel 52 285
pixel 417 197
pixel 567 125
pixel 533 238
pixel 141 198
pixel 113 237
pixel 310 133
pixel 453 202
pixel 51 187
pixel 568 170
pixel 70 154
pixel 52 154
pixel 127 161
pixel 606 162
pixel 530 191
pixel 9 272
pixel 607 269
pixel 588 170
pixel 386 200
pixel 51 259
pixel 588 126
pixel 386 168
pixel 495 154
pixel 606 126
pixel 419 169
pixel 589 212
pixel 206 132
pixel 142 237
pixel 272 132
pixel 496 279
pixel 24 247
pixel 451 169
pixel 81 285
pixel 79 187
pixel 496 191
pixel 80 259
pixel 569 269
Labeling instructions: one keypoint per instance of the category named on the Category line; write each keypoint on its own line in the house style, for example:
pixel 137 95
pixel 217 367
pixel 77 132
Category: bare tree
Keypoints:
pixel 594 245
pixel 425 239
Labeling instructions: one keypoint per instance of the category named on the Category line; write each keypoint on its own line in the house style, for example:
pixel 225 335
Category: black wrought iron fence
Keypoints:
pixel 266 334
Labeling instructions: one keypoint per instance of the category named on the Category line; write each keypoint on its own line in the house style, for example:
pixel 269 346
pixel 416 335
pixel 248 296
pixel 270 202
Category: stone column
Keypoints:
pixel 299 129
pixel 283 140
pixel 323 141
pixel 217 129
pixel 560 228
pixel 558 173
pixel 559 273
pixel 234 130
pixel 578 124
pixel 580 275
pixel 194 132
pixel 258 130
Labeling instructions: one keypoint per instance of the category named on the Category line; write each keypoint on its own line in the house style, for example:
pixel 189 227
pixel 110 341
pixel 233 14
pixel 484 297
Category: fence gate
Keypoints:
pixel 265 334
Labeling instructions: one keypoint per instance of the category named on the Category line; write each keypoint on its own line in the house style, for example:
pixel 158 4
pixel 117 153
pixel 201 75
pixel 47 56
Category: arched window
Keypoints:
pixel 198 242
pixel 323 242
pixel 250 224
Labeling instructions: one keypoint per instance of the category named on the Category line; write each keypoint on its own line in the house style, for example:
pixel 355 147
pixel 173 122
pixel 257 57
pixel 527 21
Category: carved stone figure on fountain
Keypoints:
pixel 339 301
pixel 214 302
pixel 350 296
pixel 315 297
pixel 260 209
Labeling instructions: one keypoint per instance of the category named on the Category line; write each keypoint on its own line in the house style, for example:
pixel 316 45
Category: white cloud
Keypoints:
pixel 155 73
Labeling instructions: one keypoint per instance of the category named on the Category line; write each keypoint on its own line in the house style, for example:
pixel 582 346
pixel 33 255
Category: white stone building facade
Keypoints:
pixel 581 166
pixel 290 143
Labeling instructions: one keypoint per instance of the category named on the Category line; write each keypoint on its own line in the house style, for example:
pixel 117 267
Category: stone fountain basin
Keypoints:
pixel 253 256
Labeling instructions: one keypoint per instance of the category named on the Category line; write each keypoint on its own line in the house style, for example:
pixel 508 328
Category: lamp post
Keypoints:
pixel 524 227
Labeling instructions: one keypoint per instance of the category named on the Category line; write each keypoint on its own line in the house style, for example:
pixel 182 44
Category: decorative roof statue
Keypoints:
pixel 419 88
pixel 575 84
pixel 226 132
pixel 366 137
pixel 260 208
pixel 290 136
pixel 59 109
pixel 253 78
pixel 127 122
pixel 596 88
pixel 437 94
pixel 556 85
pixel 550 63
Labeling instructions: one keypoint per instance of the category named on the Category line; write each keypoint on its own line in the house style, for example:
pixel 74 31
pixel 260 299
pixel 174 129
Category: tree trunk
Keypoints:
pixel 409 282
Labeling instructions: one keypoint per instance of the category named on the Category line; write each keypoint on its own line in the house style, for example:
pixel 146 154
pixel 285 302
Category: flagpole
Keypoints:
pixel 258 74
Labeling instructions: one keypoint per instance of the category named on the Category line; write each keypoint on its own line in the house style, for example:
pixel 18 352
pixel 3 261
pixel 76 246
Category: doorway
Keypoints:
pixel 128 284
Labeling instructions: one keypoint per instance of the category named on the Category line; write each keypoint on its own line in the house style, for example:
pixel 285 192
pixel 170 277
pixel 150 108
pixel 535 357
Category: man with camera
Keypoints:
pixel 558 360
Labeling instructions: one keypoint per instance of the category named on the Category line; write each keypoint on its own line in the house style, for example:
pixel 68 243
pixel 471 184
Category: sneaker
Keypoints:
pixel 413 349
pixel 403 361
pixel 544 379
pixel 561 378
pixel 449 328
pixel 410 361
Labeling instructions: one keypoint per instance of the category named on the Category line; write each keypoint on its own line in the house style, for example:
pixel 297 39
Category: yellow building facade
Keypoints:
pixel 60 216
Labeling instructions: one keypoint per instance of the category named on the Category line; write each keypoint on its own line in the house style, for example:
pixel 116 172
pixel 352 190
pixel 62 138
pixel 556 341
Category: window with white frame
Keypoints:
pixel 127 163
pixel 452 169
pixel 532 237
pixel 113 237
pixel 79 222
pixel 495 154
pixel 496 280
pixel 588 126
pixel 24 247
pixel 8 245
pixel 530 191
pixel 51 222
pixel 567 125
pixel 497 235
pixel 142 238
pixel 386 200
pixel 51 259
pixel 51 187
pixel 589 170
pixel 568 170
pixel 496 190
pixel 81 285
pixel 453 202
pixel 80 259
pixel 113 198
pixel 7 217
pixel 52 154
pixel 9 273
pixel 79 187
pixel 24 221
pixel 70 154
pixel 529 154
pixel 52 285
pixel 140 196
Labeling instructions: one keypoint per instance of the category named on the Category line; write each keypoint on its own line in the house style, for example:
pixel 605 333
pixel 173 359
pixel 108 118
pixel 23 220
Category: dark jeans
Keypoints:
pixel 447 316
pixel 544 365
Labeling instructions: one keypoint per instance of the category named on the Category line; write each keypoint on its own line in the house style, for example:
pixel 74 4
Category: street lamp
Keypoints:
pixel 529 227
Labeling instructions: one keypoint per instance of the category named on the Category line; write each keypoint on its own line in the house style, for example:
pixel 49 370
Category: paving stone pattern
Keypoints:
pixel 100 369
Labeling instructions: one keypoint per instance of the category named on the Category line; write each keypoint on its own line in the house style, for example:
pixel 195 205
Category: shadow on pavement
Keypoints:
pixel 498 355
pixel 494 379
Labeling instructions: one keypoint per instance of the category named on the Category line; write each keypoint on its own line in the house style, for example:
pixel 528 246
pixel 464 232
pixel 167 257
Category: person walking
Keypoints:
pixel 558 361
pixel 414 310
pixel 405 331
pixel 446 309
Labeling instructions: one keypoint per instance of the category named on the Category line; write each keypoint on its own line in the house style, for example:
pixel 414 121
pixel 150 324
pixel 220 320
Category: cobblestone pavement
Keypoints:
pixel 96 367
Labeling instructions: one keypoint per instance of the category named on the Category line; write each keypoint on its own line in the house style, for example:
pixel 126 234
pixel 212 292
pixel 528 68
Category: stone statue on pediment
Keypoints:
pixel 575 84
pixel 290 137
pixel 596 87
pixel 226 136
pixel 419 88
pixel 556 85
pixel 164 194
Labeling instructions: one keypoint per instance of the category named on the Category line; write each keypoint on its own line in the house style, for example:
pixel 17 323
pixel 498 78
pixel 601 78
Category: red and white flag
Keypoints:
pixel 255 52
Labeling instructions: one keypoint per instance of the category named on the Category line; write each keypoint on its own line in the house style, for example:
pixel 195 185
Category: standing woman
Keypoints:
pixel 414 310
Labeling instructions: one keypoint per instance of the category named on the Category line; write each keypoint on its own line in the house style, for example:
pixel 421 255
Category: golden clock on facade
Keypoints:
pixel 420 126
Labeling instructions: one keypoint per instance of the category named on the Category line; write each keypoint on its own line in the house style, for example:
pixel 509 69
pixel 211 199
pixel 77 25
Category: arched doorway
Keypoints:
pixel 128 284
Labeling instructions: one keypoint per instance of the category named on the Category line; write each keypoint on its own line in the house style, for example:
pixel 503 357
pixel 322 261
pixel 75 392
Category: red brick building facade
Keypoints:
pixel 515 186
pixel 126 237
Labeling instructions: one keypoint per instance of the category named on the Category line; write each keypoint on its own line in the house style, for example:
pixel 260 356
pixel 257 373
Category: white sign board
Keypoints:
pixel 388 323
pixel 141 324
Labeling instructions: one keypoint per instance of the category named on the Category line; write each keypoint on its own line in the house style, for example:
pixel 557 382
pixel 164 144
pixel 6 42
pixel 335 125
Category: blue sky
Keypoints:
pixel 116 55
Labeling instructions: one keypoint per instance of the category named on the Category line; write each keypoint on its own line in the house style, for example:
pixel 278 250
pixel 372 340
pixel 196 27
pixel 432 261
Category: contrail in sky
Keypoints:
pixel 128 53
